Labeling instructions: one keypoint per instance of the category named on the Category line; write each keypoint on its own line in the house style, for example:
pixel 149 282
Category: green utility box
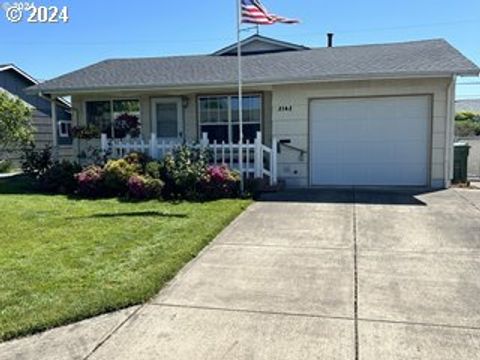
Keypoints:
pixel 460 162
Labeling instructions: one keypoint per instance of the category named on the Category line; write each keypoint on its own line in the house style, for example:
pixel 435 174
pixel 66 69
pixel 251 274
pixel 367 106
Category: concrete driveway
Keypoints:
pixel 347 274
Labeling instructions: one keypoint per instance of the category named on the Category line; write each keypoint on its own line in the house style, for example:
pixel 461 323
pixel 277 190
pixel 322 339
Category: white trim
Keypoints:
pixel 167 100
pixel 110 99
pixel 30 78
pixel 20 71
pixel 264 39
pixel 230 123
pixel 53 106
pixel 449 132
pixel 61 133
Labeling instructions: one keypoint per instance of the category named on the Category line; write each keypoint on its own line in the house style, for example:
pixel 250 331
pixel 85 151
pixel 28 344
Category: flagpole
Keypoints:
pixel 240 93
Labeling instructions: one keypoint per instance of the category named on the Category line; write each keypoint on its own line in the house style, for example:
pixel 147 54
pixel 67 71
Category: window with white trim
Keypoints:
pixel 104 115
pixel 218 116
pixel 64 128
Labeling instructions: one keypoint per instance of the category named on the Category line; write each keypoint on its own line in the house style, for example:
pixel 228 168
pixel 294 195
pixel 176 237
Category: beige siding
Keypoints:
pixel 190 119
pixel 267 118
pixel 294 125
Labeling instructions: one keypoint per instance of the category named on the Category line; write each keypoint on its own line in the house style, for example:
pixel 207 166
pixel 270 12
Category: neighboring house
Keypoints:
pixel 14 81
pixel 351 115
pixel 471 105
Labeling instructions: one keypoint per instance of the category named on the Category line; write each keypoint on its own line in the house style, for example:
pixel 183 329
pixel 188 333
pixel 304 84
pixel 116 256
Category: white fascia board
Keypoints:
pixel 196 87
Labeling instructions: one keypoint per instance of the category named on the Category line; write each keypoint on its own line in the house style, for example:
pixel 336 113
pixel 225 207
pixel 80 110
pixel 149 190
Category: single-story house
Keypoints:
pixel 14 81
pixel 334 116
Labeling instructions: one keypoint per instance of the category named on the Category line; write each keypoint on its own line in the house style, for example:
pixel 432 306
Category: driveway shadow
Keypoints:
pixel 357 195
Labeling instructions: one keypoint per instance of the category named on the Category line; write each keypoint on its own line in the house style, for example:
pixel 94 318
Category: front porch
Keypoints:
pixel 155 123
pixel 258 160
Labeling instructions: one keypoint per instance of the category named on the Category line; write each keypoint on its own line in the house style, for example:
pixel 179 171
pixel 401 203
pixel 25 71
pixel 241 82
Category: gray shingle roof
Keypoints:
pixel 421 58
pixel 471 105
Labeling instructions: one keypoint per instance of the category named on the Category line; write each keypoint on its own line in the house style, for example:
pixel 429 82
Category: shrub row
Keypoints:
pixel 184 174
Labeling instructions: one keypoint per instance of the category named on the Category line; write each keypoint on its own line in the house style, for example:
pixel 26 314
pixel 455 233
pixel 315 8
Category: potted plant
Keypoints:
pixel 88 132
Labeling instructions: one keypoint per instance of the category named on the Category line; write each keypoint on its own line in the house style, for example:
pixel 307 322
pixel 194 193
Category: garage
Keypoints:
pixel 378 141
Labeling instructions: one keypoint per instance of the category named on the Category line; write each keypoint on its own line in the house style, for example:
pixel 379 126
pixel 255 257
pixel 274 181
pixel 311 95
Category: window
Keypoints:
pixel 218 117
pixel 103 114
pixel 64 128
pixel 99 114
pixel 130 107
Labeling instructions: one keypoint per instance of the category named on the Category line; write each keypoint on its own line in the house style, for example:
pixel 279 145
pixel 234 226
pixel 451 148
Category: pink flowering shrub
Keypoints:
pixel 142 187
pixel 220 182
pixel 90 182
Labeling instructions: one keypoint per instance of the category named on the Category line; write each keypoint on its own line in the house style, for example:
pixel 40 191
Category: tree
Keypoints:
pixel 467 116
pixel 467 124
pixel 15 123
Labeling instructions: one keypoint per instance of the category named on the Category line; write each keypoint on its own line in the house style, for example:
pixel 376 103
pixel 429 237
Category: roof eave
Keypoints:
pixel 269 82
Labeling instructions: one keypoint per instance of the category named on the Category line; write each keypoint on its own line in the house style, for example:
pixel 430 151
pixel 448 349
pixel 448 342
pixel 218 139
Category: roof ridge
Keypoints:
pixel 396 43
pixel 419 58
pixel 307 49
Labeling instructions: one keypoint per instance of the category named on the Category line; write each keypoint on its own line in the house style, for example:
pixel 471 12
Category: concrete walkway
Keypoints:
pixel 351 274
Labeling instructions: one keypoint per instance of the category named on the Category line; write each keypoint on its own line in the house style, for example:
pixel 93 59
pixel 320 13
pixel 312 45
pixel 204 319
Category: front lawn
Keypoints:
pixel 63 260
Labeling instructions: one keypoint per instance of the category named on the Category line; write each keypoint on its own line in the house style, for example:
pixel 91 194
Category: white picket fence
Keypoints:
pixel 259 160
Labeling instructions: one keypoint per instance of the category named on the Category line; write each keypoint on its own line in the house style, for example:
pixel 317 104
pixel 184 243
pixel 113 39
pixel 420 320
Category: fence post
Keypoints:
pixel 204 142
pixel 104 144
pixel 258 156
pixel 273 163
pixel 153 146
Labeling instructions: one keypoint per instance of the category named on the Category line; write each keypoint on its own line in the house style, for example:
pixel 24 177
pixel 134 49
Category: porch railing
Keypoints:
pixel 259 160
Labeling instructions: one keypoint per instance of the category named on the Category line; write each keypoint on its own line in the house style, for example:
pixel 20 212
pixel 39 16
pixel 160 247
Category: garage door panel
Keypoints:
pixel 370 141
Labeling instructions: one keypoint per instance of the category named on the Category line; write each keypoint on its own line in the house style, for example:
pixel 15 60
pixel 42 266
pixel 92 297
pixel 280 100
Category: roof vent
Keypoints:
pixel 330 39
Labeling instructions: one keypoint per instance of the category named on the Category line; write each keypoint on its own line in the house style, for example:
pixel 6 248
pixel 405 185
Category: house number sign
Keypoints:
pixel 285 108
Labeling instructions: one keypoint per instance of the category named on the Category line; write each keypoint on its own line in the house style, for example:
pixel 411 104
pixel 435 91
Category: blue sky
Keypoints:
pixel 106 29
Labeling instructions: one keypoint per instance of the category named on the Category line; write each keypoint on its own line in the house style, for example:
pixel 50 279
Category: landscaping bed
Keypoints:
pixel 63 259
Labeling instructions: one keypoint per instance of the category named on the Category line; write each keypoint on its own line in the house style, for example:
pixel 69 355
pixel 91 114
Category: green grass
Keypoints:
pixel 63 260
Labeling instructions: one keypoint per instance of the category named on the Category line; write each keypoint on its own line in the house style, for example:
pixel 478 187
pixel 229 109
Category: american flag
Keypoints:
pixel 253 12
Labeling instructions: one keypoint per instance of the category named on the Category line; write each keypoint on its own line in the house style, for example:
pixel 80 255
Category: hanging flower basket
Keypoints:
pixel 126 124
pixel 88 132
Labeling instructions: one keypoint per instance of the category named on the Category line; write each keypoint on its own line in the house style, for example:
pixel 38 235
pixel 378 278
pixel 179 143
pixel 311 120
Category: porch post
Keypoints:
pixel 258 156
pixel 273 165
pixel 53 106
pixel 153 146
pixel 205 141
pixel 104 144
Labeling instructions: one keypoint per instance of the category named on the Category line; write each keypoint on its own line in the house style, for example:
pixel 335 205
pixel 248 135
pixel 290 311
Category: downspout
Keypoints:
pixel 449 132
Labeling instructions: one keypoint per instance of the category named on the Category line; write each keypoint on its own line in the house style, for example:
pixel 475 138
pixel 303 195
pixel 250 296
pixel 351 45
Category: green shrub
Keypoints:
pixel 182 171
pixel 6 166
pixel 60 178
pixel 35 163
pixel 117 174
pixel 467 116
pixel 144 187
pixel 138 158
pixel 153 169
pixel 467 128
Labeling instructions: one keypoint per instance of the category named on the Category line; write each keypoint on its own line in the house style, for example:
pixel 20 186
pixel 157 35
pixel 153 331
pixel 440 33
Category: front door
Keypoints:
pixel 167 118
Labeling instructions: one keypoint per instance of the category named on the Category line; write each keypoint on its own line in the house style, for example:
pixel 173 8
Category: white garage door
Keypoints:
pixel 370 141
